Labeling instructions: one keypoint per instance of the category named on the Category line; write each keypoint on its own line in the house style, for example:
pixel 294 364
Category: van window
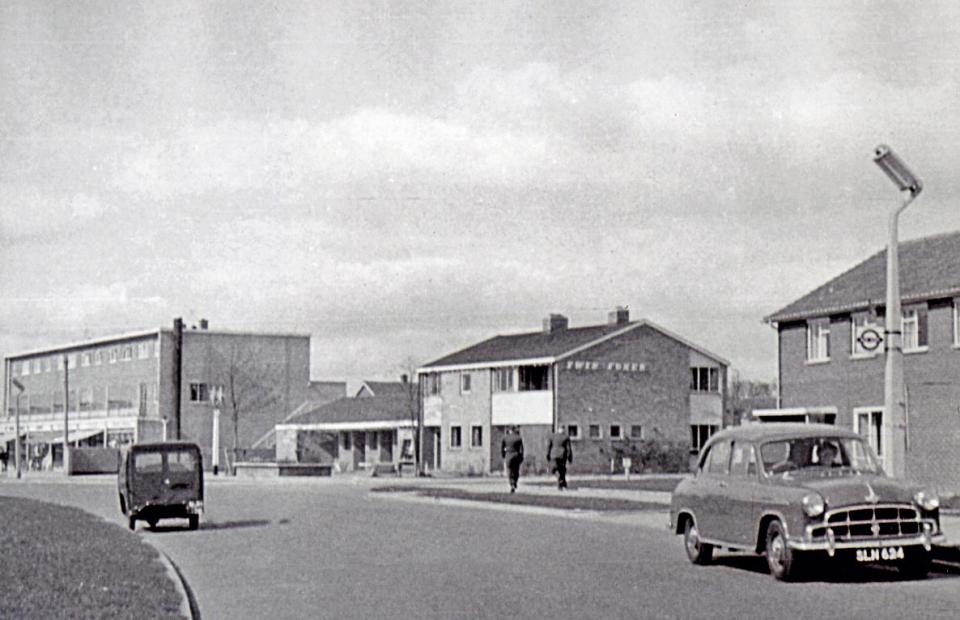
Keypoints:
pixel 181 460
pixel 148 461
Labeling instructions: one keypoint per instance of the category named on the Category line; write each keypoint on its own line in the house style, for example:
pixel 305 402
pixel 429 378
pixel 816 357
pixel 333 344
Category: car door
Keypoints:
pixel 714 481
pixel 742 494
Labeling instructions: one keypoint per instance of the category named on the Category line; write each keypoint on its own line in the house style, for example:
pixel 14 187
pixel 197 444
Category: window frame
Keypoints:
pixel 697 438
pixel 573 431
pixel 199 392
pixel 636 436
pixel 818 341
pixel 466 382
pixel 456 433
pixel 915 322
pixel 474 428
pixel 869 321
pixel 599 429
pixel 619 434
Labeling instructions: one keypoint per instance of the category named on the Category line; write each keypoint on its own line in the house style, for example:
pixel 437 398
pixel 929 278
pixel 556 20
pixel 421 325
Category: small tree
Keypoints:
pixel 249 383
pixel 412 396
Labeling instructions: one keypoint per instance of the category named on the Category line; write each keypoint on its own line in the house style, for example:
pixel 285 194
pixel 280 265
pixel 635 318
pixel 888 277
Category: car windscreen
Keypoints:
pixel 817 454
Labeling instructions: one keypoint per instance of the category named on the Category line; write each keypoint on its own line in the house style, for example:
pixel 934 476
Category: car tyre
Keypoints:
pixel 152 523
pixel 698 551
pixel 193 522
pixel 916 565
pixel 781 559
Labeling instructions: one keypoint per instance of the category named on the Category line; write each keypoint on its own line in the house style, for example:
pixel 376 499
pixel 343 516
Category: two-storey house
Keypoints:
pixel 606 384
pixel 831 362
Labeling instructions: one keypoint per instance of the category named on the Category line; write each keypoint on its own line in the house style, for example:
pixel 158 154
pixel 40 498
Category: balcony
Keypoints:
pixel 533 407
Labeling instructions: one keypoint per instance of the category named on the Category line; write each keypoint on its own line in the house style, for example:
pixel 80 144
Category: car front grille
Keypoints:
pixel 870 522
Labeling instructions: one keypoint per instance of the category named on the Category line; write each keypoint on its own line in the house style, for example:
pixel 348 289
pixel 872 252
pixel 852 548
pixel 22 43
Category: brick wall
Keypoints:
pixel 466 410
pixel 656 398
pixel 933 393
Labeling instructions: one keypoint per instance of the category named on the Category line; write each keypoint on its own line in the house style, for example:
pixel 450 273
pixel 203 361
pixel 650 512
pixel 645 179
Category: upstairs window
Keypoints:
pixel 432 384
pixel 616 431
pixel 914 327
pixel 466 379
pixel 143 350
pixel 636 431
pixel 85 358
pixel 705 379
pixel 503 379
pixel 699 434
pixel 818 340
pixel 573 431
pixel 533 378
pixel 199 393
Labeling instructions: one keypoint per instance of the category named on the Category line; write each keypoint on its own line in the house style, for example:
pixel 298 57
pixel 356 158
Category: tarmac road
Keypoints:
pixel 330 549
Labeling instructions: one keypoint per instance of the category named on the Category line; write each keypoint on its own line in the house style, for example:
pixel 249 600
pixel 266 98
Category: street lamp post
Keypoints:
pixel 16 426
pixel 894 416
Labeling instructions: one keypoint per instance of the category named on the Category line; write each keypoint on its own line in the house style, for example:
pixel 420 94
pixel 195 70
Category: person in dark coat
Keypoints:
pixel 560 454
pixel 511 448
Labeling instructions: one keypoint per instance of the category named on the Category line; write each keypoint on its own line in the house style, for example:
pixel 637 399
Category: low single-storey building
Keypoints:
pixel 373 429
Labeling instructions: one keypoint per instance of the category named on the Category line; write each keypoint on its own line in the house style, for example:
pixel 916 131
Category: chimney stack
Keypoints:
pixel 619 316
pixel 554 323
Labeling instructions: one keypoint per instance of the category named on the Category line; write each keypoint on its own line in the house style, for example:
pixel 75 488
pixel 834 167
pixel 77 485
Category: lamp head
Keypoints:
pixel 898 172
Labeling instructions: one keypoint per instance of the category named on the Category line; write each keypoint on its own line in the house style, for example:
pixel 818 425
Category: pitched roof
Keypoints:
pixel 530 345
pixel 348 410
pixel 542 345
pixel 384 388
pixel 929 268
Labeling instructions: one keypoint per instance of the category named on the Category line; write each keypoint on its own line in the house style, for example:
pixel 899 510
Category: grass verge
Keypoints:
pixel 61 562
pixel 563 502
pixel 666 485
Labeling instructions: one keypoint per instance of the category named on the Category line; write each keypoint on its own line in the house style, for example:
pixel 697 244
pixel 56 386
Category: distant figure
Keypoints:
pixel 560 453
pixel 512 451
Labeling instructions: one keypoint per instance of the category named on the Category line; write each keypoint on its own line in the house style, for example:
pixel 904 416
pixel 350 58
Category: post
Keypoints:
pixel 66 409
pixel 16 428
pixel 215 447
pixel 894 414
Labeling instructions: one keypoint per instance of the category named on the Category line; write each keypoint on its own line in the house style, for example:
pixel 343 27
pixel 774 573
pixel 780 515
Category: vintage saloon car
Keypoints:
pixel 798 492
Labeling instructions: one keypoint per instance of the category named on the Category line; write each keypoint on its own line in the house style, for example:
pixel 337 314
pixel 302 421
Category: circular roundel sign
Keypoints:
pixel 870 339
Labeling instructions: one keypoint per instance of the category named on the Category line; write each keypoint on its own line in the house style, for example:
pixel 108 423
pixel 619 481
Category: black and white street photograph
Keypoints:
pixel 431 309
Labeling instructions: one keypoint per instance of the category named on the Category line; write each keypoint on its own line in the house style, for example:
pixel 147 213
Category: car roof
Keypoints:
pixel 163 445
pixel 780 430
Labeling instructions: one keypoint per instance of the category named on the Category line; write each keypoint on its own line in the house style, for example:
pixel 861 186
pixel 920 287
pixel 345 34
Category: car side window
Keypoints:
pixel 743 460
pixel 718 460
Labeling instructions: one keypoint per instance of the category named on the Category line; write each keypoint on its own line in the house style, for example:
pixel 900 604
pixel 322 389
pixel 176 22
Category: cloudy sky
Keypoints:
pixel 403 179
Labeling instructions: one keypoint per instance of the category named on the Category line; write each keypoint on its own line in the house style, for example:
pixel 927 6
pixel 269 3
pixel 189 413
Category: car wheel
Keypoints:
pixel 916 565
pixel 698 551
pixel 152 523
pixel 194 522
pixel 781 559
pixel 132 523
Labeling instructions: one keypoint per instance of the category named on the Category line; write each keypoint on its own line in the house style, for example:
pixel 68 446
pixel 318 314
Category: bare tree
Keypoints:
pixel 412 394
pixel 249 382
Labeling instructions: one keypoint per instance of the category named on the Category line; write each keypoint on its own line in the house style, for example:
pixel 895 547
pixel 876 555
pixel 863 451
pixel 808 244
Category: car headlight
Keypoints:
pixel 813 504
pixel 927 500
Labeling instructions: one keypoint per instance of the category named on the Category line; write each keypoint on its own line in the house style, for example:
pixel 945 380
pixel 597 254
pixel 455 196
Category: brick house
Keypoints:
pixel 373 428
pixel 155 384
pixel 828 364
pixel 608 385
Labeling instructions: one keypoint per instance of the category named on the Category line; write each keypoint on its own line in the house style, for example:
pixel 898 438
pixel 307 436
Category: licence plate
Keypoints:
pixel 880 554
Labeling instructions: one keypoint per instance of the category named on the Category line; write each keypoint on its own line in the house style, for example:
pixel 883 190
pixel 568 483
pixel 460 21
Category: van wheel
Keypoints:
pixel 194 522
pixel 132 523
pixel 698 551
pixel 152 523
pixel 781 559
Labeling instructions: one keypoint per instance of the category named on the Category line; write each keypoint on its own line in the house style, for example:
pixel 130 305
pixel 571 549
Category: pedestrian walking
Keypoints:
pixel 560 454
pixel 511 448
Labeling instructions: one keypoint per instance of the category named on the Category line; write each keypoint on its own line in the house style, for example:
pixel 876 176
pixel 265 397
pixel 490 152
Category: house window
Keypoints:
pixel 616 431
pixel 869 423
pixel 48 364
pixel 25 369
pixel 36 367
pixel 705 379
pixel 85 358
pixel 636 431
pixel 503 379
pixel 456 438
pixel 818 340
pixel 532 378
pixel 476 436
pixel 860 323
pixel 126 353
pixel 573 431
pixel 73 360
pixel 112 355
pixel 97 357
pixel 914 328
pixel 465 381
pixel 595 432
pixel 143 350
pixel 199 393
pixel 433 384
pixel 699 434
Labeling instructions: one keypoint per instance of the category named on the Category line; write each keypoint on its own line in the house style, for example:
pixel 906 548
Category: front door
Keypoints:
pixel 359 450
pixel 742 492
pixel 386 446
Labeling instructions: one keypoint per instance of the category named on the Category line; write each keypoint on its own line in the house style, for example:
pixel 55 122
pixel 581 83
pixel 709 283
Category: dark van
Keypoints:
pixel 161 481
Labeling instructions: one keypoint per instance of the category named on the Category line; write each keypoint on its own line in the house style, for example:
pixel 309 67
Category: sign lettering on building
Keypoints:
pixel 609 366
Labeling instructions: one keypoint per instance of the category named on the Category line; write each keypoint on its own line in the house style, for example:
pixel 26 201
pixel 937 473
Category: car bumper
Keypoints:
pixel 830 546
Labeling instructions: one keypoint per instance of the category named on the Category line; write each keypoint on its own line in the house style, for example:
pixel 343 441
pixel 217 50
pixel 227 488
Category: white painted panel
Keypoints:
pixel 706 408
pixel 522 408
pixel 431 410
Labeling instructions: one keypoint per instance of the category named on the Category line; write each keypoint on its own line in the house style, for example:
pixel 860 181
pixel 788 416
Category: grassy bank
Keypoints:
pixel 61 562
